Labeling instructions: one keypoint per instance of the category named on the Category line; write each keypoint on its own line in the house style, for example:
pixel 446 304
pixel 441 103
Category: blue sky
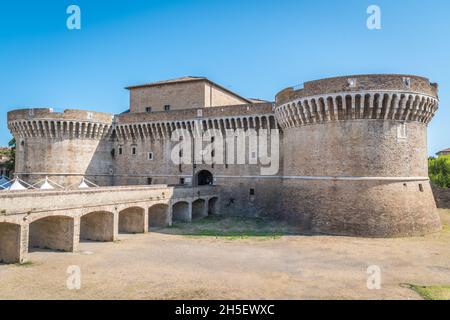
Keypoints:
pixel 253 47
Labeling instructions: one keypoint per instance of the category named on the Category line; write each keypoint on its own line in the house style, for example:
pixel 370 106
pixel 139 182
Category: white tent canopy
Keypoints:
pixel 47 184
pixel 16 185
pixel 85 183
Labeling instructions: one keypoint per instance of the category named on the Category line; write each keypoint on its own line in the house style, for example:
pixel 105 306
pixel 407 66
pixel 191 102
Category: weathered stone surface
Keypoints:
pixel 353 154
pixel 442 196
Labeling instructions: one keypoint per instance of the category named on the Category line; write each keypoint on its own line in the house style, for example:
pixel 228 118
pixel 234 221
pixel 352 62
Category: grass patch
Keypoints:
pixel 25 264
pixel 231 228
pixel 432 292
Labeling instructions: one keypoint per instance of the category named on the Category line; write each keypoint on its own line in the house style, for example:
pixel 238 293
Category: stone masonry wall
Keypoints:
pixel 442 196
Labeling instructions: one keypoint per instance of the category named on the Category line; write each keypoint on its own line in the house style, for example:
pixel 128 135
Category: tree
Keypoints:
pixel 439 171
pixel 12 156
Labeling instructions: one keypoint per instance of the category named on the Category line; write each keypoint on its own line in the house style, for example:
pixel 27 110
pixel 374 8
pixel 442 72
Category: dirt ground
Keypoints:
pixel 254 260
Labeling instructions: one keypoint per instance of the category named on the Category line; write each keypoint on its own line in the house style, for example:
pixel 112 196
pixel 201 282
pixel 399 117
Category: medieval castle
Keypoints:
pixel 351 158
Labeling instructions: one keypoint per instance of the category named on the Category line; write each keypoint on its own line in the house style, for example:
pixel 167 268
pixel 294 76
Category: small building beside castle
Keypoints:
pixel 444 152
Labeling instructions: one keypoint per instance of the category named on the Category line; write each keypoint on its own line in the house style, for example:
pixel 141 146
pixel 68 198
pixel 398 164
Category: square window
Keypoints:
pixel 149 181
pixel 148 109
pixel 167 107
pixel 150 156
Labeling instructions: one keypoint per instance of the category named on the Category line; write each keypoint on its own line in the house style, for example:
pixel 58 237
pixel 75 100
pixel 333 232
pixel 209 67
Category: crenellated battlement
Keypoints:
pixel 160 125
pixel 72 124
pixel 382 97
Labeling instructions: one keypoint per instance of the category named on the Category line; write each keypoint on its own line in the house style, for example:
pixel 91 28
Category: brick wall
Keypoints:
pixel 442 197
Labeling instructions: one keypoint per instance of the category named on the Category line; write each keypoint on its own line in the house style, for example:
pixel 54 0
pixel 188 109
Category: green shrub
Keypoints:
pixel 439 171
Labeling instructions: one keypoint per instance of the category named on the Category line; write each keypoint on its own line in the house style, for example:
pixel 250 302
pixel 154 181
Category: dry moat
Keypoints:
pixel 237 258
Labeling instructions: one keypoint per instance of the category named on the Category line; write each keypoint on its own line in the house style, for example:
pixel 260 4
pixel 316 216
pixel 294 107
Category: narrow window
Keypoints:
pixel 180 168
pixel 182 180
pixel 421 187
pixel 120 150
pixel 150 156
pixel 402 132
pixel 149 181
pixel 148 109
pixel 167 107
pixel 407 82
pixel 133 151
pixel 252 192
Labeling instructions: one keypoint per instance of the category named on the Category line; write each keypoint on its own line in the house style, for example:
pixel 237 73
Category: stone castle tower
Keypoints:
pixel 352 154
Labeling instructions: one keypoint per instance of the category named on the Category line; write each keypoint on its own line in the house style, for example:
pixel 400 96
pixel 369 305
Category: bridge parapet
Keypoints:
pixel 59 219
pixel 29 201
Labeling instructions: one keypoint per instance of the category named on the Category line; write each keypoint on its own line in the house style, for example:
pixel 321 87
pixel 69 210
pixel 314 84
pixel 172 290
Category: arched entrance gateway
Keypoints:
pixel 205 178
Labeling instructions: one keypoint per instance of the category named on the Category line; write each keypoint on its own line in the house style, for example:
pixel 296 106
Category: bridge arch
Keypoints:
pixel 158 216
pixel 204 178
pixel 181 211
pixel 97 226
pixel 133 220
pixel 213 206
pixel 53 232
pixel 9 242
pixel 199 209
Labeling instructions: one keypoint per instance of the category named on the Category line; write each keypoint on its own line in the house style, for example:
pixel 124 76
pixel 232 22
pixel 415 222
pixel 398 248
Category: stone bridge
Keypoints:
pixel 59 219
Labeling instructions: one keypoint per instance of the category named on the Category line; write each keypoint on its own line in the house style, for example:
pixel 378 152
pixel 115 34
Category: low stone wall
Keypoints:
pixel 442 197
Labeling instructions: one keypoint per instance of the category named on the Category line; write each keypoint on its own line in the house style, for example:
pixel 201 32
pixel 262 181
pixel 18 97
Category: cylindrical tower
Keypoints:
pixel 355 155
pixel 63 146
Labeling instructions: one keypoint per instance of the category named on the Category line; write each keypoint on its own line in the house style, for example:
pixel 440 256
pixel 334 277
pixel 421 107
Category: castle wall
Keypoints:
pixel 352 153
pixel 358 178
pixel 442 196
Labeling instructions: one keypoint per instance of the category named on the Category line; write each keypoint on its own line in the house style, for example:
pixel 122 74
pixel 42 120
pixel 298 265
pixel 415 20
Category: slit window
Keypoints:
pixel 133 151
pixel 150 156
pixel 420 187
